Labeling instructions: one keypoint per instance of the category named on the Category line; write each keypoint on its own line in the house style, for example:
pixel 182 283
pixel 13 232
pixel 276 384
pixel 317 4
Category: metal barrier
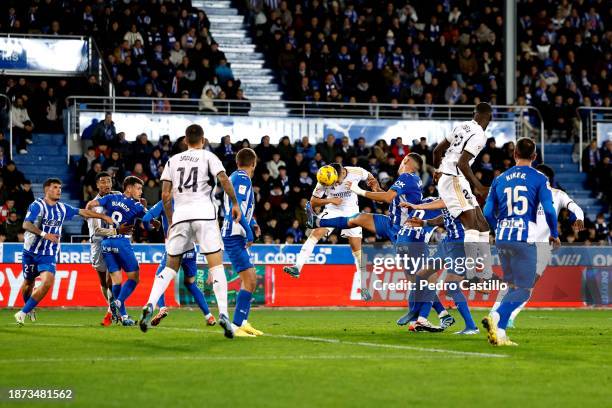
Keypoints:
pixel 528 119
pixel 7 109
pixel 588 118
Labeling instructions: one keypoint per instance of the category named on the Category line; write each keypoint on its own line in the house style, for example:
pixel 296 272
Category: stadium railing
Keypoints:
pixel 6 110
pixel 594 123
pixel 527 119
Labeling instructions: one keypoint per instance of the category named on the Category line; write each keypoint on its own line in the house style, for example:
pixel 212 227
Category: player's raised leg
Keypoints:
pixel 305 252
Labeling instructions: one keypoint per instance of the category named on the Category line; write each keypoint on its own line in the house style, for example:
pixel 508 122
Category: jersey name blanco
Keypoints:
pixel 349 203
pixel 540 232
pixel 467 136
pixel 193 174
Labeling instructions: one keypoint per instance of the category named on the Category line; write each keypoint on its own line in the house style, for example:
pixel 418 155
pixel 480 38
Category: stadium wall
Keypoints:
pixel 577 277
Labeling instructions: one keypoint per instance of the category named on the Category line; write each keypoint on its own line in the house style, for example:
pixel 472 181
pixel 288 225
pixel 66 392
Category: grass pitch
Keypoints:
pixel 308 358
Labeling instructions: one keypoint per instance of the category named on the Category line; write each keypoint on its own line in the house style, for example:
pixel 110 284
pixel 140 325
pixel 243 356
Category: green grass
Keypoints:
pixel 309 358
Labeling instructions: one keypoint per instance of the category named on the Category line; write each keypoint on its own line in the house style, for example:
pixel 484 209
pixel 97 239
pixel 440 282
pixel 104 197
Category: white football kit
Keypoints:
pixel 541 232
pixel 453 187
pixel 95 249
pixel 193 174
pixel 350 203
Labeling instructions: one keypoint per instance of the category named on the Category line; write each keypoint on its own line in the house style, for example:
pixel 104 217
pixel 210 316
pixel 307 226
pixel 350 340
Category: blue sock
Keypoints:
pixel 462 305
pixel 126 290
pixel 337 222
pixel 412 302
pixel 199 297
pixel 513 299
pixel 243 304
pixel 437 305
pixel 162 301
pixel 116 289
pixel 30 304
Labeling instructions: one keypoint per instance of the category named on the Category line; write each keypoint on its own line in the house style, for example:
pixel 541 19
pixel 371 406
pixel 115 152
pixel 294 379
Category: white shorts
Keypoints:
pixel 205 233
pixel 345 233
pixel 544 255
pixel 456 193
pixel 97 260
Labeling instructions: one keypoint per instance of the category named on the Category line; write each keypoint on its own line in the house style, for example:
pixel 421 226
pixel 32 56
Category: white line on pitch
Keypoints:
pixel 321 340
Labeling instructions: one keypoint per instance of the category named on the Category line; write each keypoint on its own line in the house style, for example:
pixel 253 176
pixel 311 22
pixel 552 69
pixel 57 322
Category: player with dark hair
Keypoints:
pixel 117 249
pixel 97 232
pixel 43 225
pixel 453 158
pixel 237 237
pixel 512 207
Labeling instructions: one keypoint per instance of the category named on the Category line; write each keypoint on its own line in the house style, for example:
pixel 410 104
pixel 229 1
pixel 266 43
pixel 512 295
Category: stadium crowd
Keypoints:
pixel 447 52
pixel 286 174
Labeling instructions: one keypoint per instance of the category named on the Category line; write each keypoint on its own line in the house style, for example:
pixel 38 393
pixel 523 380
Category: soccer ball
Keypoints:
pixel 327 175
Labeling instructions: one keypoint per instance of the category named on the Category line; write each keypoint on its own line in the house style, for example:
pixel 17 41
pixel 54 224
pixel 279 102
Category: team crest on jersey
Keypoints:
pixel 242 189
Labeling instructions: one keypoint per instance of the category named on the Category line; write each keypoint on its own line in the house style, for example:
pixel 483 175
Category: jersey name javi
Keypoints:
pixel 467 136
pixel 193 174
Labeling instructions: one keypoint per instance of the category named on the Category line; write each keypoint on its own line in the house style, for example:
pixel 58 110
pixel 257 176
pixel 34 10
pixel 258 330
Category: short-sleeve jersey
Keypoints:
pixel 246 200
pixel 409 188
pixel 122 209
pixel 49 219
pixel 467 136
pixel 349 203
pixel 193 174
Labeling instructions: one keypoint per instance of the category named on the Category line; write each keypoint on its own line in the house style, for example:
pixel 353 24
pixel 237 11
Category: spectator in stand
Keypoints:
pixel 142 149
pixel 265 150
pixel 7 208
pixel 22 126
pixel 86 162
pixel 226 152
pixel 151 192
pixel 399 150
pixel 105 131
pixel 24 197
pixel 11 227
pixel 12 176
pixel 591 157
pixel 274 165
pixel 286 150
pixel 346 150
pixel 4 145
pixel 327 149
pixel 305 148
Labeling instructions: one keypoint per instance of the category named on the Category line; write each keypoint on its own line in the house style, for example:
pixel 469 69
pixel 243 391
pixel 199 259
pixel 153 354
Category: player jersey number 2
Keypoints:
pixel 191 182
pixel 517 204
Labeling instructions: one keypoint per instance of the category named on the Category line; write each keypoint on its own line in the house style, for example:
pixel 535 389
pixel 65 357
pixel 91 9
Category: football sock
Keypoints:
pixel 510 302
pixel 243 302
pixel 500 296
pixel 162 301
pixel 104 293
pixel 470 242
pixel 160 284
pixel 516 311
pixel 198 296
pixel 357 258
pixel 462 305
pixel 484 250
pixel 220 288
pixel 116 289
pixel 30 304
pixel 337 222
pixel 126 290
pixel 437 305
pixel 305 252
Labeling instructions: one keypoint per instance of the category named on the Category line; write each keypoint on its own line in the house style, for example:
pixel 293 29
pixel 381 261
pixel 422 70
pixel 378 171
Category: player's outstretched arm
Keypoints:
pixel 417 222
pixel 431 205
pixel 464 166
pixel 228 187
pixel 320 202
pixel 380 196
pixel 92 204
pixel 85 213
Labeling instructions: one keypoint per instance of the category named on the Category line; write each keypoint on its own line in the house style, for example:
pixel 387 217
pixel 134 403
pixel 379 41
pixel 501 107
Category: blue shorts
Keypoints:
pixel 415 250
pixel 33 264
pixel 235 248
pixel 118 254
pixel 519 262
pixel 455 251
pixel 384 227
pixel 189 263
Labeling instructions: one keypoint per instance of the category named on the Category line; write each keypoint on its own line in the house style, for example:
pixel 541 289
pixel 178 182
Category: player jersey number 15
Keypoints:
pixel 191 182
pixel 517 204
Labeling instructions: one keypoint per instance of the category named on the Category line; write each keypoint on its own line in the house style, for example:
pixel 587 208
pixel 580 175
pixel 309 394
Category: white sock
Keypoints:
pixel 470 242
pixel 357 256
pixel 485 253
pixel 305 252
pixel 160 284
pixel 501 333
pixel 500 296
pixel 516 311
pixel 220 288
